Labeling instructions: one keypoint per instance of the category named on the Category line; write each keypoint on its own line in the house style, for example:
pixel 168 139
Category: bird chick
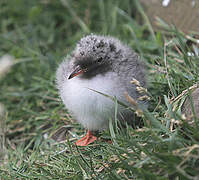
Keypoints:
pixel 103 64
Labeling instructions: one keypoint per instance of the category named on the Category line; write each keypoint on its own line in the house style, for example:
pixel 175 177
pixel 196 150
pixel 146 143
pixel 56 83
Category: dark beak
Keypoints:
pixel 78 70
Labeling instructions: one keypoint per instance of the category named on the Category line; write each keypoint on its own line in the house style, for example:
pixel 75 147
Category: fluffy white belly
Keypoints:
pixel 90 108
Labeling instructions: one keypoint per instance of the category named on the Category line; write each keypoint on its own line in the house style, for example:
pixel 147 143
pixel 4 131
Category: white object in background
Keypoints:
pixel 165 3
pixel 6 62
pixel 193 3
pixel 45 136
pixel 190 54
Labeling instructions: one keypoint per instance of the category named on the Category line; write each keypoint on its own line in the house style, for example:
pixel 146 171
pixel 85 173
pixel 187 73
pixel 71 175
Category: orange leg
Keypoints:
pixel 86 140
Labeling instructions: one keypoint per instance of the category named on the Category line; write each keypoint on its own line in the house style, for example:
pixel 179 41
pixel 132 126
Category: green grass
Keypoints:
pixel 39 34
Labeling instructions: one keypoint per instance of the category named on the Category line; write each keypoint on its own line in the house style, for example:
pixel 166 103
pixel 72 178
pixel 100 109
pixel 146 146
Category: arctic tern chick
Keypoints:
pixel 103 64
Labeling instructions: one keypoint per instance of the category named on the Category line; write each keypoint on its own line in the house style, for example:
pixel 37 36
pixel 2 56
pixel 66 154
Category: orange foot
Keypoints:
pixel 86 140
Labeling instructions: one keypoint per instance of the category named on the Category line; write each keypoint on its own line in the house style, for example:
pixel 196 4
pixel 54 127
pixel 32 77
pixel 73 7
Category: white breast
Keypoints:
pixel 90 108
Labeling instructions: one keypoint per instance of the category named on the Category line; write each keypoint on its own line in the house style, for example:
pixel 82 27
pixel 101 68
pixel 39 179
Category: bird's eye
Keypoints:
pixel 99 60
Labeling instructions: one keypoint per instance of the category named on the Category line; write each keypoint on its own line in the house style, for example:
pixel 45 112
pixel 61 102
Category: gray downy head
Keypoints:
pixel 94 55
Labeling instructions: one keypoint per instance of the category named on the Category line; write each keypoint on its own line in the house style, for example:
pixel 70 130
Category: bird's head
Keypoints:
pixel 92 55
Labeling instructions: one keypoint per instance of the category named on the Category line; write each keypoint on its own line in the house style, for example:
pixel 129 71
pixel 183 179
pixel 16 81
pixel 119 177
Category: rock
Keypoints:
pixel 183 13
pixel 186 108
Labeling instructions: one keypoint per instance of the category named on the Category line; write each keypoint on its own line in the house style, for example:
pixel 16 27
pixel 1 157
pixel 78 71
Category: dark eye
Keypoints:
pixel 99 60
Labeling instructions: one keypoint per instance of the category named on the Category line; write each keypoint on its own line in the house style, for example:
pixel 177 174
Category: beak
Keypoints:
pixel 78 70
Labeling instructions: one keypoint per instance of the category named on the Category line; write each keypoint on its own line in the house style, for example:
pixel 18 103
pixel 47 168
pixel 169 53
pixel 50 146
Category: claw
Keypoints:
pixel 86 140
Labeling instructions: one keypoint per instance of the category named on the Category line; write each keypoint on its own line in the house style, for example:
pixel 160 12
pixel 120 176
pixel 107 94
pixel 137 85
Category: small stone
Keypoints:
pixel 187 109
